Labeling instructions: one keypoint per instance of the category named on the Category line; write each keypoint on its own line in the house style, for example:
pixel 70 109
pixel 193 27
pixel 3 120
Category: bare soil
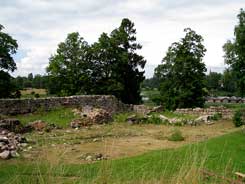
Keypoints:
pixel 117 140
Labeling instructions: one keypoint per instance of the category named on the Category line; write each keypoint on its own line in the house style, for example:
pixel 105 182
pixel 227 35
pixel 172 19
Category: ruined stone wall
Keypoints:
pixel 22 106
pixel 226 113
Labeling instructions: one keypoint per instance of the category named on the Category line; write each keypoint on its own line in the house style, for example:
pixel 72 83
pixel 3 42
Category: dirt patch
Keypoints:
pixel 117 140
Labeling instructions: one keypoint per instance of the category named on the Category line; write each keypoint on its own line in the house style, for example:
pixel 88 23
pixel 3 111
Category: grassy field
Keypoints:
pixel 138 154
pixel 223 155
pixel 227 105
pixel 30 93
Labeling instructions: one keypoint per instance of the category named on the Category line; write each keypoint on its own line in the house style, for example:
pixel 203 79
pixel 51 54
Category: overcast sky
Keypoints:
pixel 39 25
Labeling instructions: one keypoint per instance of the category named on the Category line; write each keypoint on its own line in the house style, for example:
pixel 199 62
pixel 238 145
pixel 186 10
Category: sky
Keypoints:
pixel 40 25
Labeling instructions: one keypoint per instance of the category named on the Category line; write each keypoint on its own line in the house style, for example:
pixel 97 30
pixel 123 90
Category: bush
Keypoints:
pixel 239 118
pixel 154 119
pixel 176 136
pixel 216 117
pixel 36 95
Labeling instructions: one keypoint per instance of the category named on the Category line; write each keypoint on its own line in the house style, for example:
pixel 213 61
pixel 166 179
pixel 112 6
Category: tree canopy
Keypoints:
pixel 8 47
pixel 182 73
pixel 69 66
pixel 109 66
pixel 235 53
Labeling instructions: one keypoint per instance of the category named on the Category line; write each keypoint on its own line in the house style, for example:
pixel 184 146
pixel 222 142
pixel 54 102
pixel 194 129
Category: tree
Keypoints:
pixel 103 57
pixel 214 82
pixel 128 63
pixel 182 73
pixel 110 66
pixel 151 83
pixel 235 53
pixel 69 67
pixel 229 82
pixel 8 47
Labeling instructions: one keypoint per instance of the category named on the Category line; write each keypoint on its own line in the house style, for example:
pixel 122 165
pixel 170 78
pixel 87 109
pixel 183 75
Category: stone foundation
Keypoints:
pixel 23 106
pixel 226 113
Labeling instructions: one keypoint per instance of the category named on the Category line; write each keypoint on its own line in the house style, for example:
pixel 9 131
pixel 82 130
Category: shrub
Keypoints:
pixel 216 117
pixel 239 118
pixel 36 95
pixel 176 136
pixel 154 120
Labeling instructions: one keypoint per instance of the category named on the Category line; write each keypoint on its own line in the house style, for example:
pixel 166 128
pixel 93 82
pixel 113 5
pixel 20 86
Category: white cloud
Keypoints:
pixel 41 24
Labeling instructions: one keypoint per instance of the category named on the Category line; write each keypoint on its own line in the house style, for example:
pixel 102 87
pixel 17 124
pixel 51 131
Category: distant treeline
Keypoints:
pixel 217 84
pixel 38 81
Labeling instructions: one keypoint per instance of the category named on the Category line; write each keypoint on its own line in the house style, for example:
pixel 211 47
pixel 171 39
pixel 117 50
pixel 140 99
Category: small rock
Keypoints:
pixel 163 118
pixel 4 139
pixel 99 156
pixel 89 158
pixel 23 145
pixel 14 154
pixel 5 155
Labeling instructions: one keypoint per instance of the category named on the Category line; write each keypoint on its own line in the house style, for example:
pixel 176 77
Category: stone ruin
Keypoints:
pixel 23 106
pixel 225 112
pixel 89 116
pixel 11 142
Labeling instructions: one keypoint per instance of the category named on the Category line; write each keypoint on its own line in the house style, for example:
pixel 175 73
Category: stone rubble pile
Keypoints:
pixel 10 144
pixel 206 119
pixel 12 125
pixel 146 110
pixel 90 116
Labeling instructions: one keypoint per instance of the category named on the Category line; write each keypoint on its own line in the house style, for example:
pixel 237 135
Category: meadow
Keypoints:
pixel 135 153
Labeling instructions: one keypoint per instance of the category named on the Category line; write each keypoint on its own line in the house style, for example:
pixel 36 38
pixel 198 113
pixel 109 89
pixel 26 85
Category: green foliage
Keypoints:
pixel 37 81
pixel 182 73
pixel 216 116
pixel 8 47
pixel 109 66
pixel 6 85
pixel 36 95
pixel 152 96
pixel 151 83
pixel 176 136
pixel 171 114
pixel 154 119
pixel 239 118
pixel 235 53
pixel 69 66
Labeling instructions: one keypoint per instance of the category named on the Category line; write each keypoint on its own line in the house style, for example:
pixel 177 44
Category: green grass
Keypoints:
pixel 176 136
pixel 227 105
pixel 223 155
pixel 60 117
pixel 171 114
pixel 151 94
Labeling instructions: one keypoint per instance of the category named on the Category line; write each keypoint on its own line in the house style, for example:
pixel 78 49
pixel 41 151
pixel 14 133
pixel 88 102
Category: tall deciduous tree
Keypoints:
pixel 8 47
pixel 235 52
pixel 182 73
pixel 68 68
